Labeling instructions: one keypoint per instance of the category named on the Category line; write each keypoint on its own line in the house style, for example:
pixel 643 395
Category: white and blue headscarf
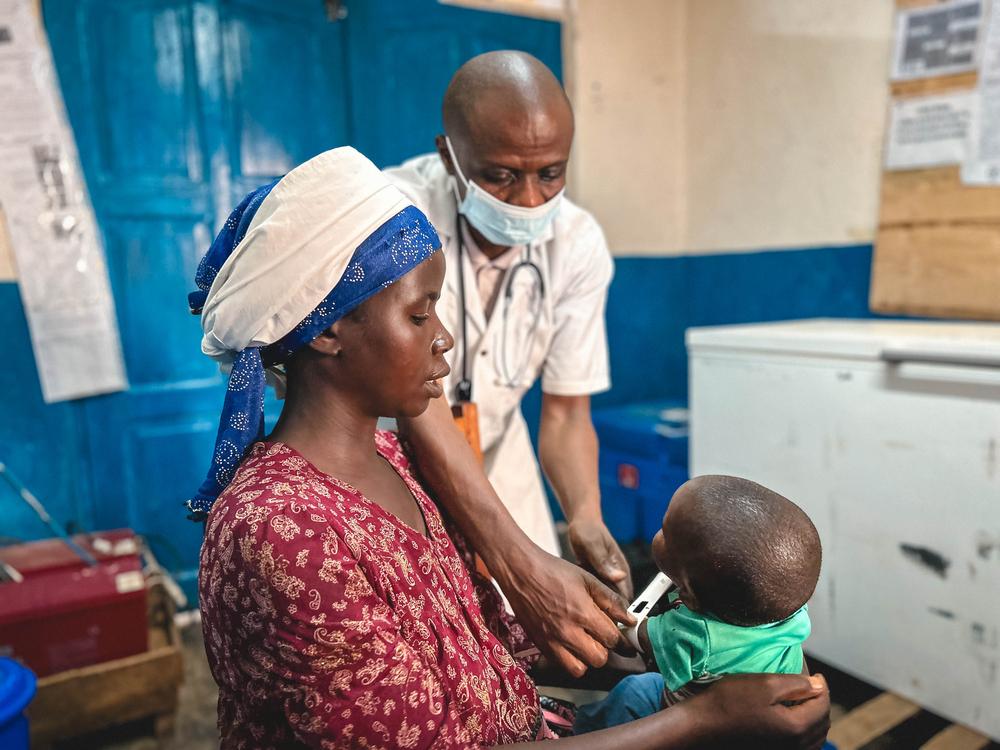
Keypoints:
pixel 294 257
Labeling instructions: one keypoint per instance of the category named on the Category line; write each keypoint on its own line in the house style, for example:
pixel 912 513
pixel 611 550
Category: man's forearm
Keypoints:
pixel 565 610
pixel 567 448
pixel 453 473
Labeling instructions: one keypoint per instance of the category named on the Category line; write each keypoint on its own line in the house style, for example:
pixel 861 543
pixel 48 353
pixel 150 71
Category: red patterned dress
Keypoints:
pixel 330 623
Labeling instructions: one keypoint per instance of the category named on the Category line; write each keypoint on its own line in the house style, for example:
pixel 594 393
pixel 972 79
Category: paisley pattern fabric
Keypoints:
pixel 330 623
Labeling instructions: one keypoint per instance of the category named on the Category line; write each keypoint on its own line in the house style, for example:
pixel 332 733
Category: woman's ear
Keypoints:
pixel 327 342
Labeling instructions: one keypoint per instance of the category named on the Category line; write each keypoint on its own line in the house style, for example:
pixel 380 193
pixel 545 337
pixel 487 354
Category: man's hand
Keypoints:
pixel 568 613
pixel 763 711
pixel 597 551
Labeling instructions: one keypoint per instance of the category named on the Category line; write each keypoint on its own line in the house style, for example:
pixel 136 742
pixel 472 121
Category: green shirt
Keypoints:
pixel 688 646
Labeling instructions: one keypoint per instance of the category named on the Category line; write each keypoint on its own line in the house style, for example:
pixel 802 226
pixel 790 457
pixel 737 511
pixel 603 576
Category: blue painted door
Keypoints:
pixel 403 54
pixel 180 108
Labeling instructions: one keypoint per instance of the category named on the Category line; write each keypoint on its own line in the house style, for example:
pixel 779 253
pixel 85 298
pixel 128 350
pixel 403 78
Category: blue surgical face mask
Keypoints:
pixel 499 222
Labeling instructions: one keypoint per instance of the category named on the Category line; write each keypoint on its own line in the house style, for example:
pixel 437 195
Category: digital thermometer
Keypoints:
pixel 643 604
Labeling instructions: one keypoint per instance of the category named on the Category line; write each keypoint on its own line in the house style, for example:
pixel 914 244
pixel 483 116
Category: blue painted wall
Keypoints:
pixel 177 107
pixel 40 443
pixel 653 300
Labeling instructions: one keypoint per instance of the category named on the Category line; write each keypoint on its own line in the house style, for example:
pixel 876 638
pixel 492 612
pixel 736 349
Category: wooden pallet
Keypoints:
pixel 146 685
pixel 885 712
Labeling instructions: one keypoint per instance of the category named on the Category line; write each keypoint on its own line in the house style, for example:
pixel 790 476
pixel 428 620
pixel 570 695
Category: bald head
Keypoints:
pixel 506 84
pixel 748 555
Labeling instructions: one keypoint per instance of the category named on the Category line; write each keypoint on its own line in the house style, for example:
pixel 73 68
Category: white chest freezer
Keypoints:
pixel 887 433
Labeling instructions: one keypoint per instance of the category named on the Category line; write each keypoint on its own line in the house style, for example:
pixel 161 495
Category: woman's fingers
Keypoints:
pixel 770 710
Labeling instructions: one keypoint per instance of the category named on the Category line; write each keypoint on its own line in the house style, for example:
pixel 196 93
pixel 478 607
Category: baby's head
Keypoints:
pixel 738 551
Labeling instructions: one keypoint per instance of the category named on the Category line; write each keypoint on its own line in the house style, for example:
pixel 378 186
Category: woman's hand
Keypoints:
pixel 762 711
pixel 568 613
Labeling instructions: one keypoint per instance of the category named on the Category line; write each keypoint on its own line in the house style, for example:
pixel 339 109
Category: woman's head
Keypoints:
pixel 331 238
pixel 388 353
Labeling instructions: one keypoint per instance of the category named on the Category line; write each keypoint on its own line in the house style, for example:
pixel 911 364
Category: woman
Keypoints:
pixel 336 609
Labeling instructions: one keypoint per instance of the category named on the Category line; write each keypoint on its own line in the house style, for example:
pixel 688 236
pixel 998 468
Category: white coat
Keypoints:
pixel 568 348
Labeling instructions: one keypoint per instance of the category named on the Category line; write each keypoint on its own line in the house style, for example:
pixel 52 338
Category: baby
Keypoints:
pixel 745 561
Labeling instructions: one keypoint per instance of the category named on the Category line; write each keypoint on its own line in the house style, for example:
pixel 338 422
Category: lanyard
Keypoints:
pixel 464 389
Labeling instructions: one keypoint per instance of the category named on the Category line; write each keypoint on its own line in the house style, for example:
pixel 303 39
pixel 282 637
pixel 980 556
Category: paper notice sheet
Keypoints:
pixel 936 40
pixel 982 164
pixel 929 131
pixel 60 262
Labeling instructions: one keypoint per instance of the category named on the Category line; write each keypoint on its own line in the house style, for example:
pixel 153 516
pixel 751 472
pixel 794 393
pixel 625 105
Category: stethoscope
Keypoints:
pixel 525 265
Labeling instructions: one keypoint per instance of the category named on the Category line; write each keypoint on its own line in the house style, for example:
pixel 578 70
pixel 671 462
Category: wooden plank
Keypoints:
pixel 871 720
pixel 82 700
pixel 937 250
pixel 917 196
pixel 549 10
pixel 956 737
pixel 938 270
pixel 934 85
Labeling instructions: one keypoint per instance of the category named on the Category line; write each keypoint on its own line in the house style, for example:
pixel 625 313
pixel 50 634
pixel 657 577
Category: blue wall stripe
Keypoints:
pixel 653 300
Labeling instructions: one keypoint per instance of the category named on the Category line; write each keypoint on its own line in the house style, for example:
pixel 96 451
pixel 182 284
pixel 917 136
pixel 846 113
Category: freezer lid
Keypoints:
pixel 945 342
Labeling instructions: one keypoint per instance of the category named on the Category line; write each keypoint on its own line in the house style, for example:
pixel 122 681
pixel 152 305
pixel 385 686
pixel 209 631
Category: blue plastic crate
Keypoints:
pixel 643 459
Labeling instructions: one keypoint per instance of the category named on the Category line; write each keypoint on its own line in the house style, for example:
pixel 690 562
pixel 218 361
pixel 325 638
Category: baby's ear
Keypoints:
pixel 689 600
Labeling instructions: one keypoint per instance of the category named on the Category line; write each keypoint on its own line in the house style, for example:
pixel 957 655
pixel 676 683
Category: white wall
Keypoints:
pixel 624 70
pixel 7 270
pixel 727 125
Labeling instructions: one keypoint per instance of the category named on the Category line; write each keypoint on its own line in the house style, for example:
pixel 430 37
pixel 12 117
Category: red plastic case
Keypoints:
pixel 66 614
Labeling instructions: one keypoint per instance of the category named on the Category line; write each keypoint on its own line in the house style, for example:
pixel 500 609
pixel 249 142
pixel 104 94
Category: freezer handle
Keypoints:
pixel 930 357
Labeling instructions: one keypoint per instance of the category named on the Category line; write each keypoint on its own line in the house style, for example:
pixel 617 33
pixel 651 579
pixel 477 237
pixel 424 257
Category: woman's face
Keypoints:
pixel 393 345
